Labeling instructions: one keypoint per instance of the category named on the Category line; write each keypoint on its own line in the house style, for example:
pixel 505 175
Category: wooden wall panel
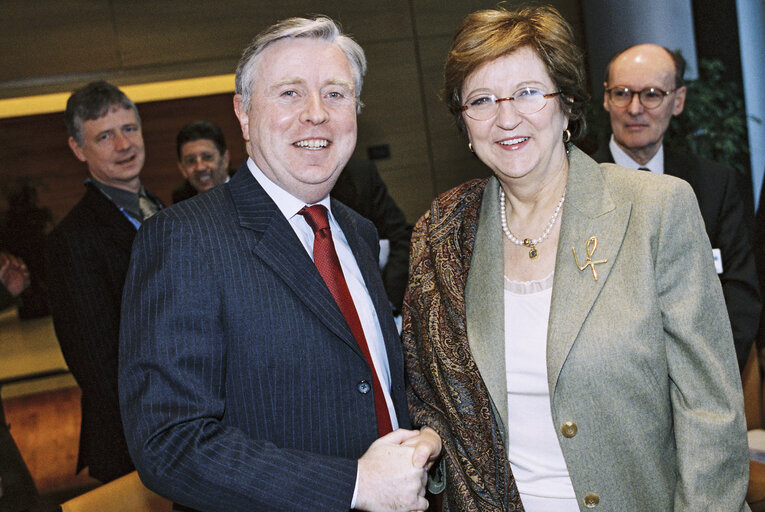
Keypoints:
pixel 58 46
pixel 393 108
pixel 437 17
pixel 410 187
pixel 154 33
pixel 45 38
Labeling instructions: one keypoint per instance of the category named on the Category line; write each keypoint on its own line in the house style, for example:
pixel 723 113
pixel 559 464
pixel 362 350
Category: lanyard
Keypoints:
pixel 135 222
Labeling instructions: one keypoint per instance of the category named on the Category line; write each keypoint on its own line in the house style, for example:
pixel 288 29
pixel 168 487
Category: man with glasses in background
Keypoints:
pixel 644 90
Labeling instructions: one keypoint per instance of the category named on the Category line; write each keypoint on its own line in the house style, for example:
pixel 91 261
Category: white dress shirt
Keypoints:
pixel 655 164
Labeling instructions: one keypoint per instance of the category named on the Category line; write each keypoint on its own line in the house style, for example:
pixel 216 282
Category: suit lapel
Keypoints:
pixel 275 243
pixel 589 212
pixel 484 302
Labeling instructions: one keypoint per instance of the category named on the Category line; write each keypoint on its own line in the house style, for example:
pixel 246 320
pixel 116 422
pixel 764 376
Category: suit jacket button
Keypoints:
pixel 364 387
pixel 568 429
pixel 591 500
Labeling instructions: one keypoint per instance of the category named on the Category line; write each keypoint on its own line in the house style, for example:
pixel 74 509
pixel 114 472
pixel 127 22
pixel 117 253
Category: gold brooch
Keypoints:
pixel 590 246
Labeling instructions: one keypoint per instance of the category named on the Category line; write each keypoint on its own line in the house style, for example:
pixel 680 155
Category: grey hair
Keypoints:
pixel 320 27
pixel 93 101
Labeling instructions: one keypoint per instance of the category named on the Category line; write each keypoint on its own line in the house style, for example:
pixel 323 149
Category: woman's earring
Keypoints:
pixel 566 135
pixel 470 145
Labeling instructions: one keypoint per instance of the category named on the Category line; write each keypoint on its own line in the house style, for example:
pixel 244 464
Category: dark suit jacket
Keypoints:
pixel 87 257
pixel 719 197
pixel 362 189
pixel 184 190
pixel 239 377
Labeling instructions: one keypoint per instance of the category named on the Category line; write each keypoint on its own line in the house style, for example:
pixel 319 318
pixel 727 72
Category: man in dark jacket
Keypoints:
pixel 87 257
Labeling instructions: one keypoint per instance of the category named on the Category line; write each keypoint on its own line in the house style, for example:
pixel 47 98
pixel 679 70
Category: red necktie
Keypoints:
pixel 326 261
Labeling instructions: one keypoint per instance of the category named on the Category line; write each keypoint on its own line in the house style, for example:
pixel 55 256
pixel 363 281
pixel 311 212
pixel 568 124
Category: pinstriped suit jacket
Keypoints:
pixel 238 373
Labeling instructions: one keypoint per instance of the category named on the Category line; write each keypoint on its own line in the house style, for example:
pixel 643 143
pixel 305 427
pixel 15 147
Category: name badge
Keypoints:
pixel 718 260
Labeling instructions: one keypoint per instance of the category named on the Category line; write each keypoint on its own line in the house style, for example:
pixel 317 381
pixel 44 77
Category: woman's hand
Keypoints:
pixel 427 448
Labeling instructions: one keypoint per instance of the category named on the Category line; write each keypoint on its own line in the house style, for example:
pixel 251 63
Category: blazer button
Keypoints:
pixel 568 429
pixel 591 500
pixel 364 387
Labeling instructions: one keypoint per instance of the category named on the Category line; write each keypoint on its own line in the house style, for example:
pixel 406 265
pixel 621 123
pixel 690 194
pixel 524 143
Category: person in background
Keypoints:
pixel 86 258
pixel 23 234
pixel 564 329
pixel 644 90
pixel 203 159
pixel 276 381
pixel 17 489
pixel 361 188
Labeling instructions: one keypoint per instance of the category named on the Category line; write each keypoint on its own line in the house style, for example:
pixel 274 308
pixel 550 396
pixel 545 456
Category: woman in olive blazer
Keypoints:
pixel 642 376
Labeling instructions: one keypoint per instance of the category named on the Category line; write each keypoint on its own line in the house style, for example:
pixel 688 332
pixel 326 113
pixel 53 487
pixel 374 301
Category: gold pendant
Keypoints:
pixel 532 248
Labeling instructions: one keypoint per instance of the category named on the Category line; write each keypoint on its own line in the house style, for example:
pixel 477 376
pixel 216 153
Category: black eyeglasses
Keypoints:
pixel 528 100
pixel 650 98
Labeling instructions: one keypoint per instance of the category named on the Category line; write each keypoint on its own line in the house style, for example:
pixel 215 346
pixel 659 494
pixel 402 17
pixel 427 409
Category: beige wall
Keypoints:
pixel 51 46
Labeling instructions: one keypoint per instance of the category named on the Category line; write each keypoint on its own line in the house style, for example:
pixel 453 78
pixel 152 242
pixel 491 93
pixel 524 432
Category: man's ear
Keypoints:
pixel 77 149
pixel 244 119
pixel 183 171
pixel 226 158
pixel 679 101
pixel 606 106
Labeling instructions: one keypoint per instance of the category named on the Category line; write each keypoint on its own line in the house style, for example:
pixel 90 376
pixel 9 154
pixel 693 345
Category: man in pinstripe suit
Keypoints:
pixel 245 388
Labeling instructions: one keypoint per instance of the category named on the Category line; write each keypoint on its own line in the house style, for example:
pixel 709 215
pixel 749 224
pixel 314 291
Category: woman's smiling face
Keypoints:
pixel 512 144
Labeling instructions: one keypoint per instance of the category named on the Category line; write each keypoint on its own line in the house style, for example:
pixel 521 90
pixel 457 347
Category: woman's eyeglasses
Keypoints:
pixel 483 107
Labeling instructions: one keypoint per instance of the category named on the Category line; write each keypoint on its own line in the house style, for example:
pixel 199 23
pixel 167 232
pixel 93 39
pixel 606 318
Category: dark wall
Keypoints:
pixel 711 18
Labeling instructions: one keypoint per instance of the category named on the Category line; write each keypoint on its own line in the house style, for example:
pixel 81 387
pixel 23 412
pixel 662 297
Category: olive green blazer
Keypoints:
pixel 644 386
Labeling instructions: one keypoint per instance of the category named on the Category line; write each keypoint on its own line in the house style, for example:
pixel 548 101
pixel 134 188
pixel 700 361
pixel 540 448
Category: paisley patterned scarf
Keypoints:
pixel 444 388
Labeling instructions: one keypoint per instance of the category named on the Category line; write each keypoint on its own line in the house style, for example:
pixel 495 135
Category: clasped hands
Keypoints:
pixel 14 274
pixel 393 473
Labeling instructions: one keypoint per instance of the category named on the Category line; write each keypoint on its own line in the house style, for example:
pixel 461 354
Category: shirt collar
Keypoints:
pixel 655 164
pixel 124 198
pixel 288 204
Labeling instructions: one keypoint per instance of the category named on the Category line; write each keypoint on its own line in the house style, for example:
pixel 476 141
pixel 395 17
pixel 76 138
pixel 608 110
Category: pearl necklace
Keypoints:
pixel 527 242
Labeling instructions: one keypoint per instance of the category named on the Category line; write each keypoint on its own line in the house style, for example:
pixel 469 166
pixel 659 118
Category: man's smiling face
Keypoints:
pixel 301 125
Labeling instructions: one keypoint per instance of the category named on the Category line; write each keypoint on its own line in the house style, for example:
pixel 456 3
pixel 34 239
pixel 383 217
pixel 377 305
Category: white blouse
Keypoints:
pixel 535 455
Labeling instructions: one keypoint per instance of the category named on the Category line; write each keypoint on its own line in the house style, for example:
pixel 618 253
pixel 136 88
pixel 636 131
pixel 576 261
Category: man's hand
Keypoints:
pixel 427 448
pixel 14 274
pixel 388 478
